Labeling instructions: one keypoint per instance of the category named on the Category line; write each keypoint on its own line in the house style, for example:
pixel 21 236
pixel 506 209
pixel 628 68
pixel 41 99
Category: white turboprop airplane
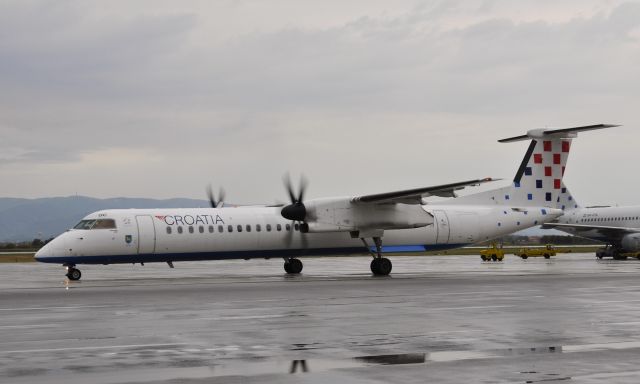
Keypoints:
pixel 326 226
pixel 618 227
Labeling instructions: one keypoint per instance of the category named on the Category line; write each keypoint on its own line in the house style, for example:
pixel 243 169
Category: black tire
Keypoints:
pixel 524 257
pixel 293 266
pixel 494 257
pixel 384 267
pixel 547 256
pixel 74 274
pixel 375 266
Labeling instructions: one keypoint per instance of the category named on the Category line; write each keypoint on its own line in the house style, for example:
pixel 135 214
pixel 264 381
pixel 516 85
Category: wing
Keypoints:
pixel 414 196
pixel 614 233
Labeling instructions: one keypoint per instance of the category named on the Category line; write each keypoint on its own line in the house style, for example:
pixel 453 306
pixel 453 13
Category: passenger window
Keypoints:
pixel 248 228
pixel 211 229
pixel 239 228
pixel 220 228
pixel 191 229
pixel 279 227
pixel 168 230
pixel 201 229
pixel 179 229
pixel 268 227
pixel 288 227
pixel 258 228
pixel 296 226
pixel 230 228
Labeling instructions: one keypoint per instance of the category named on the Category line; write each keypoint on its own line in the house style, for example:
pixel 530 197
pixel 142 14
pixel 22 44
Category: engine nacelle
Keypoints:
pixel 342 215
pixel 631 243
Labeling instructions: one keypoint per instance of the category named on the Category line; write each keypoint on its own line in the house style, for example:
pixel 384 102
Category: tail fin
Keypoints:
pixel 538 181
pixel 566 201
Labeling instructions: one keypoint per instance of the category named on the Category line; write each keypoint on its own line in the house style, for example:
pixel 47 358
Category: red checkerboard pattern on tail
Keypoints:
pixel 541 181
pixel 538 182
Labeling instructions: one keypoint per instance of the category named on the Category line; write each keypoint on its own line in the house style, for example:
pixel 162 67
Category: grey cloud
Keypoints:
pixel 379 96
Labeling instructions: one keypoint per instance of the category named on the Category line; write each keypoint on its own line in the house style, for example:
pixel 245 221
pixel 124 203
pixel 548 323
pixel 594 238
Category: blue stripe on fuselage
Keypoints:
pixel 230 255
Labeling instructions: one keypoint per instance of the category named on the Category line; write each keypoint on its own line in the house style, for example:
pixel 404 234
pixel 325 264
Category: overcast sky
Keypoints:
pixel 159 98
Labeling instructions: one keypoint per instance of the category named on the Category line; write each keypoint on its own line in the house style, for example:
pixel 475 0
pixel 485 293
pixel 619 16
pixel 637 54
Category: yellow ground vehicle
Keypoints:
pixel 494 253
pixel 547 251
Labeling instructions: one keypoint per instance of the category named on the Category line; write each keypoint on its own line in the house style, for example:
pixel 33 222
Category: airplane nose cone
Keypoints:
pixel 51 250
pixel 42 253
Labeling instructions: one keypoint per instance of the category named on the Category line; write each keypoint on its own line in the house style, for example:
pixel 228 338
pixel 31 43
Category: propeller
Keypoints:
pixel 212 199
pixel 296 211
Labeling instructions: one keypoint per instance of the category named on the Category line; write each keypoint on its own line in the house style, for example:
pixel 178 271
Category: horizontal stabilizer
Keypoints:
pixel 556 133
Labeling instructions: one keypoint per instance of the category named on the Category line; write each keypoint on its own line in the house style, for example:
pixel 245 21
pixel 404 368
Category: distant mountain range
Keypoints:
pixel 28 219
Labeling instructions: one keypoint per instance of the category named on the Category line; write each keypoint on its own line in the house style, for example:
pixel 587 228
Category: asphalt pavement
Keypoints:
pixel 444 319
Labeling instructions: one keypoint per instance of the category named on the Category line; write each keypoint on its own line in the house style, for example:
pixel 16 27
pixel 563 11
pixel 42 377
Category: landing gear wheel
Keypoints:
pixel 293 266
pixel 381 266
pixel 74 274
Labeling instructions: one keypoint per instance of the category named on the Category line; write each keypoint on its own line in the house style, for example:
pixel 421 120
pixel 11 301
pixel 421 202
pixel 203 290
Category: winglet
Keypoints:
pixel 567 133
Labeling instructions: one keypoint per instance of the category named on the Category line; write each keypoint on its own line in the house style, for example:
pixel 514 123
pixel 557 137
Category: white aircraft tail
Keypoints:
pixel 566 201
pixel 538 181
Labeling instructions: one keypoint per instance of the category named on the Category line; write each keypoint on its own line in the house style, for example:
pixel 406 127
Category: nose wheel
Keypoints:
pixel 73 273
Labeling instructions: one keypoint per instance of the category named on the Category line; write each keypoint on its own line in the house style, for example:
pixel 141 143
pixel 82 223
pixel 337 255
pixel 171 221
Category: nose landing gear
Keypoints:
pixel 73 273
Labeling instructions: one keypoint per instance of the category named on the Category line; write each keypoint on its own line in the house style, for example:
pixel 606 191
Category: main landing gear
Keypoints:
pixel 292 266
pixel 73 273
pixel 380 266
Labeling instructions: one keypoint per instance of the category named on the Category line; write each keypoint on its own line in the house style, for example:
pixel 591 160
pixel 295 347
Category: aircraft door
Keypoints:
pixel 146 235
pixel 442 223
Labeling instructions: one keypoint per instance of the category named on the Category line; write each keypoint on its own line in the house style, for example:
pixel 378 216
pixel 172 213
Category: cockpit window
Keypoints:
pixel 96 224
pixel 85 224
pixel 104 224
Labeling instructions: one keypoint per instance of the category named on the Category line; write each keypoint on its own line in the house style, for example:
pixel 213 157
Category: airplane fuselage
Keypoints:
pixel 612 217
pixel 167 235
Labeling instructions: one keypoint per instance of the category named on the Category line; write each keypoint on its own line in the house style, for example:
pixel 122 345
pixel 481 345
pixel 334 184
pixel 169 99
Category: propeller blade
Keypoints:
pixel 303 187
pixel 212 199
pixel 288 238
pixel 305 240
pixel 221 196
pixel 289 187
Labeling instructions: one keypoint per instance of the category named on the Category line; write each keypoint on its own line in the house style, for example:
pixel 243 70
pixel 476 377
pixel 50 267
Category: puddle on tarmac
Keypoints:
pixel 273 365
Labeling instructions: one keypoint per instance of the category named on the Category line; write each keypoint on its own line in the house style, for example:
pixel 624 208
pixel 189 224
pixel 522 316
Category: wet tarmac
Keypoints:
pixel 444 319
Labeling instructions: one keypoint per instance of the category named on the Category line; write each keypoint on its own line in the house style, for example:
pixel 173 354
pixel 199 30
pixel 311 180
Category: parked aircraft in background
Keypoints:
pixel 618 227
pixel 394 221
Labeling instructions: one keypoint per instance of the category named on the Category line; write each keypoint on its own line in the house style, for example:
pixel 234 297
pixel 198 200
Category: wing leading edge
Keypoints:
pixel 415 196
